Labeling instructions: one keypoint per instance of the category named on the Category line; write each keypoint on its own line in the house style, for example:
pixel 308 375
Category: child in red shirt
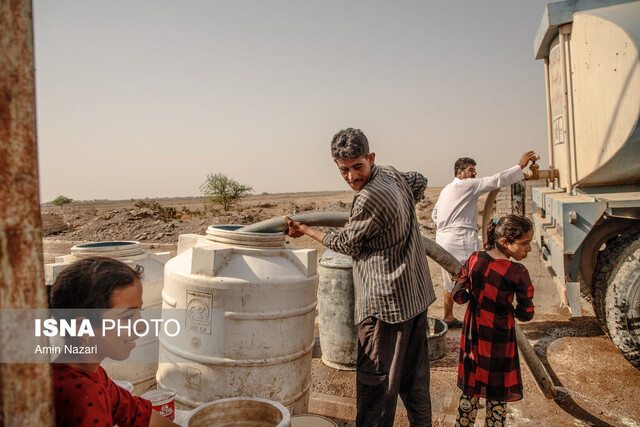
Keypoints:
pixel 489 366
pixel 84 395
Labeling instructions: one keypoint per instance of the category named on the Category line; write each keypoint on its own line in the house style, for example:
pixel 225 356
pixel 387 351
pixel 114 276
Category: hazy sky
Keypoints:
pixel 145 98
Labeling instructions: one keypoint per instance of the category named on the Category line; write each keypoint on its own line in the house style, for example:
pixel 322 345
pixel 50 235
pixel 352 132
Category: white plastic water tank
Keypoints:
pixel 131 253
pixel 247 302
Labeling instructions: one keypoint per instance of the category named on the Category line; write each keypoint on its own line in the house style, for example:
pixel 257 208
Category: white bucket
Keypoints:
pixel 249 309
pixel 162 401
pixel 239 412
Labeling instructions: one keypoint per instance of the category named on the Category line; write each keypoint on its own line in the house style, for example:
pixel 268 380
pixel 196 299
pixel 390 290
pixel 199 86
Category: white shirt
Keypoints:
pixel 456 211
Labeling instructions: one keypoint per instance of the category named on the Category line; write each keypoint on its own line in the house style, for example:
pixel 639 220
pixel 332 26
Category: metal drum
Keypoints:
pixel 336 305
pixel 437 337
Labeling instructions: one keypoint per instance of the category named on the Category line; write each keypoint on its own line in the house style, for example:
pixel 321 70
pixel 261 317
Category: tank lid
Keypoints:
pixel 228 234
pixel 113 249
pixel 334 259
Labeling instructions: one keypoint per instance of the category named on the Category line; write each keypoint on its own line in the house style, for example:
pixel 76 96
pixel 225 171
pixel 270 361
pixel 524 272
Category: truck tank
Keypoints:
pixel 603 105
pixel 588 219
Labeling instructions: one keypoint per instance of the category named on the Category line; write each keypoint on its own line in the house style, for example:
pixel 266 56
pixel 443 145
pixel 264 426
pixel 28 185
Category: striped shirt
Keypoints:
pixel 390 270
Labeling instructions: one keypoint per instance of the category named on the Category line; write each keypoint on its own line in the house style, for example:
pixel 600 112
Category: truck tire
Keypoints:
pixel 604 231
pixel 606 261
pixel 617 294
pixel 600 281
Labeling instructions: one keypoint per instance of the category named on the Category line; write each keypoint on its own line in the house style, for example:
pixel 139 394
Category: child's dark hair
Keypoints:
pixel 511 227
pixel 89 283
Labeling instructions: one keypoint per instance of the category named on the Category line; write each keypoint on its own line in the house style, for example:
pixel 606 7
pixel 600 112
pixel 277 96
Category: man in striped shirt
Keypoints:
pixel 391 279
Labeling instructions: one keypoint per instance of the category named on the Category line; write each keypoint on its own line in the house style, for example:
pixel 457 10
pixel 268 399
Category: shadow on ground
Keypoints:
pixel 548 332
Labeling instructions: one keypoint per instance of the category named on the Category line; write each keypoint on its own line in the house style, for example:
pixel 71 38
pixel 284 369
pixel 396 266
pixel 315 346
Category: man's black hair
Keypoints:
pixel 461 163
pixel 349 144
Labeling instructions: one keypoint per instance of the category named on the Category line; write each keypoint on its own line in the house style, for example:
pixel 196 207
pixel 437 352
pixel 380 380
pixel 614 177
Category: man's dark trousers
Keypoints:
pixel 393 359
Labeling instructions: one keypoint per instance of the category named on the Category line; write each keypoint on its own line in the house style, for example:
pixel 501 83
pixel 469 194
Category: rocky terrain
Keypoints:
pixel 157 223
pixel 163 220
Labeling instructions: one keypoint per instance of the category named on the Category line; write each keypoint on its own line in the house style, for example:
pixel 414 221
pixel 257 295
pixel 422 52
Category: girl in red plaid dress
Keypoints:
pixel 489 366
pixel 83 393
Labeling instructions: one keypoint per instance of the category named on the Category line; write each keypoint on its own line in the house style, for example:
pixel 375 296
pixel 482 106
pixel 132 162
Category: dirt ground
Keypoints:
pixel 596 385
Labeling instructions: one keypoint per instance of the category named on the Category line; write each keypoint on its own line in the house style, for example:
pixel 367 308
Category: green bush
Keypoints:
pixel 61 200
pixel 223 190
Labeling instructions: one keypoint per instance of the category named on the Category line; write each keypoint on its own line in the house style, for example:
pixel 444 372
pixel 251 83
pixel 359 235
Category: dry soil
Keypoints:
pixel 596 384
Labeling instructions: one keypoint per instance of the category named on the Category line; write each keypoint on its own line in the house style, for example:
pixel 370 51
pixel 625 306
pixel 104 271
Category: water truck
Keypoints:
pixel 587 218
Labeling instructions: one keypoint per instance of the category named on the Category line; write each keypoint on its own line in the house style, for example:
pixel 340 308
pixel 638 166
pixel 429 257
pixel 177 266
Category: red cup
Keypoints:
pixel 162 400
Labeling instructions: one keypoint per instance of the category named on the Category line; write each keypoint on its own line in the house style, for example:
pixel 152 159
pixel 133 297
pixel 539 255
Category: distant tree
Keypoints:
pixel 223 190
pixel 61 200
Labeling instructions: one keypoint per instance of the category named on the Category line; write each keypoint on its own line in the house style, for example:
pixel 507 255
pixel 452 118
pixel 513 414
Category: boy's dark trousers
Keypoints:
pixel 393 359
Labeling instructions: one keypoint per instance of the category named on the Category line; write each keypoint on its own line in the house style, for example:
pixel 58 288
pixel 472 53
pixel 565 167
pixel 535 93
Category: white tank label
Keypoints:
pixel 199 316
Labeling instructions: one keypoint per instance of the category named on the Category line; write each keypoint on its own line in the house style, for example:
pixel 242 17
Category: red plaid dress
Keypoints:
pixel 489 365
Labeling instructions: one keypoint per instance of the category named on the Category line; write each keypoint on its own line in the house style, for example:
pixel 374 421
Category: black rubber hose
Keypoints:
pixel 339 219
pixel 441 256
pixel 487 212
pixel 312 218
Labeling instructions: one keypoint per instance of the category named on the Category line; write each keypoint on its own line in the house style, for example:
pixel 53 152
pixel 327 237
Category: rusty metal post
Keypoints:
pixel 26 393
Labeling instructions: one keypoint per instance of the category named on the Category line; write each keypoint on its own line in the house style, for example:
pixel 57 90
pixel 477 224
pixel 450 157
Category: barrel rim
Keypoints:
pixel 109 248
pixel 286 416
pixel 229 234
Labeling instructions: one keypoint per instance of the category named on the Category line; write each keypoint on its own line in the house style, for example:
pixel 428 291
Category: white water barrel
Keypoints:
pixel 129 252
pixel 247 306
